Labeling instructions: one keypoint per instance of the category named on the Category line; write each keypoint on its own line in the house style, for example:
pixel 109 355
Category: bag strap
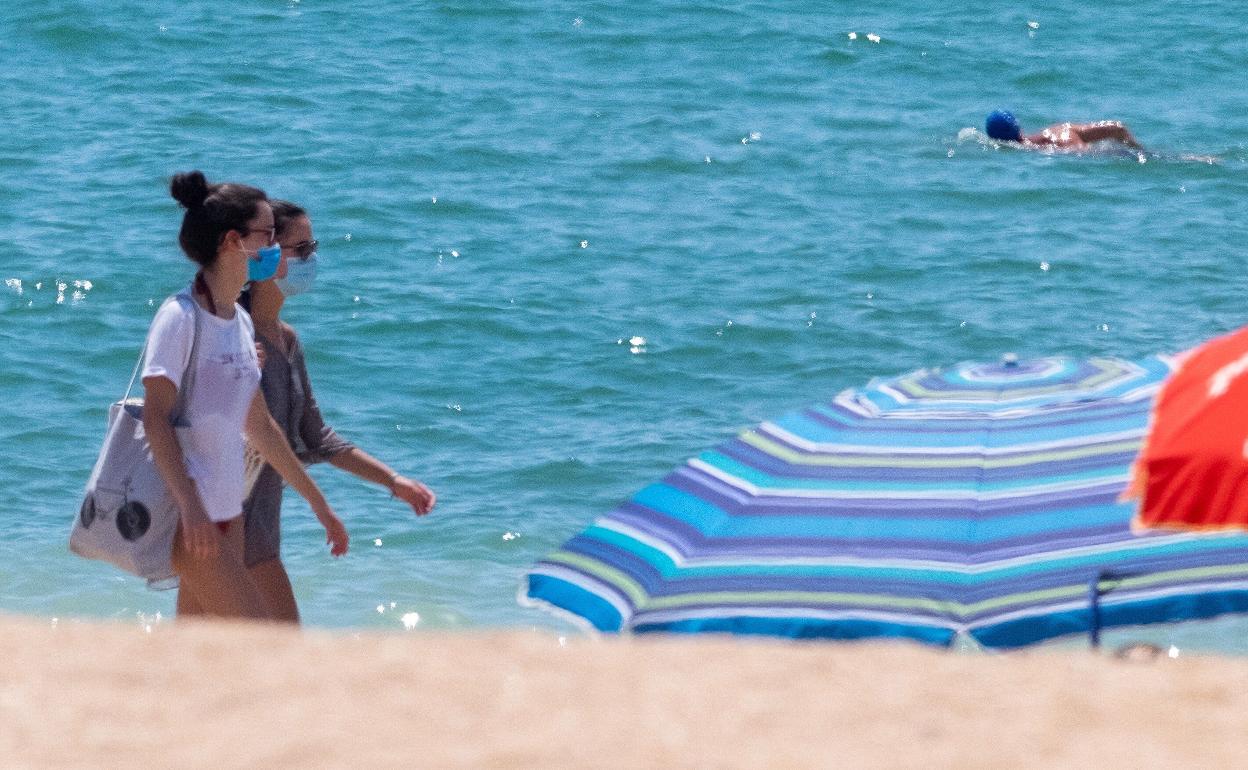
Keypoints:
pixel 188 375
pixel 134 375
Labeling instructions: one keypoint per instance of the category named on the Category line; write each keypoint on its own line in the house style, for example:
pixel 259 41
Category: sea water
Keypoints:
pixel 567 245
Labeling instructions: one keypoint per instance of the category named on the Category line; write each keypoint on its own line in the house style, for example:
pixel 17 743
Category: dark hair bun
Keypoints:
pixel 189 188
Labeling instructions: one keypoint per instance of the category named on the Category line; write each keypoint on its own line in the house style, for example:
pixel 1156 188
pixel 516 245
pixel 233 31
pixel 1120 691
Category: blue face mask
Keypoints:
pixel 264 266
pixel 300 275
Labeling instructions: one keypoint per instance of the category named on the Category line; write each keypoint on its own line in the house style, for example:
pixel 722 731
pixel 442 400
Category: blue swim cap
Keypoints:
pixel 1003 127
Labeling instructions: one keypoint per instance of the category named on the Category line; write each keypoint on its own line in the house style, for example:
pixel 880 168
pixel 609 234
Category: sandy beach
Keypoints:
pixel 231 695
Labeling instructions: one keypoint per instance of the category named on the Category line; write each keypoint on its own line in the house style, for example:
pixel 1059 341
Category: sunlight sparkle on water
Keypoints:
pixel 637 344
pixel 409 620
pixel 147 622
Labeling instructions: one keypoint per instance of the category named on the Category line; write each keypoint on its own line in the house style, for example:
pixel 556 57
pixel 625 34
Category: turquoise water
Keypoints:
pixel 507 194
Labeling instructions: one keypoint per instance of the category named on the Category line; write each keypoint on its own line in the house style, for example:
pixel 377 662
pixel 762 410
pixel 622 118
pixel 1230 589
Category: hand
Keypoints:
pixel 335 531
pixel 201 537
pixel 415 494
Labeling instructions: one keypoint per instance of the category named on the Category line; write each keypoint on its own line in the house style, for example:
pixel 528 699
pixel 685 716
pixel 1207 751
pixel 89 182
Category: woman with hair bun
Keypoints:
pixel 288 391
pixel 228 231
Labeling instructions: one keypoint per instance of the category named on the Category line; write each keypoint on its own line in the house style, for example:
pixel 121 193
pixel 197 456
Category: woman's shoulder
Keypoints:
pixel 175 311
pixel 290 336
pixel 179 303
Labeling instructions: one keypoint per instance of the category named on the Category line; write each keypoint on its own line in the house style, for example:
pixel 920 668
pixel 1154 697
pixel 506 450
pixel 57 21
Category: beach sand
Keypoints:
pixel 232 695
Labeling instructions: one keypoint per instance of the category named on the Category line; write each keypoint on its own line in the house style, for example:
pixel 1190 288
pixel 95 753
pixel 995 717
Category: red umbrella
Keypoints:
pixel 1192 473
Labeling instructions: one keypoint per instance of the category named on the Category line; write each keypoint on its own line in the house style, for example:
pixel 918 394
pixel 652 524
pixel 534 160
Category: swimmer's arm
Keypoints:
pixel 270 442
pixel 1046 138
pixel 1107 129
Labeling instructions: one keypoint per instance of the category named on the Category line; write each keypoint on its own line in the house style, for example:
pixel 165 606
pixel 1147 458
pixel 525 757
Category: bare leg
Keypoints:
pixel 188 605
pixel 219 586
pixel 274 584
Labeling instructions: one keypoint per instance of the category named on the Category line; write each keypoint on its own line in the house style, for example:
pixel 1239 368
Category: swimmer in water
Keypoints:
pixel 1004 127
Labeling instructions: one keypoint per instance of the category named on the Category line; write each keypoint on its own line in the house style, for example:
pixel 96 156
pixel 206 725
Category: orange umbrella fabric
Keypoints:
pixel 1192 473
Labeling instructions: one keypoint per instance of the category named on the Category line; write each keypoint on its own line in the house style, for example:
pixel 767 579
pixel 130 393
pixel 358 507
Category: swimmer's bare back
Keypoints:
pixel 1073 136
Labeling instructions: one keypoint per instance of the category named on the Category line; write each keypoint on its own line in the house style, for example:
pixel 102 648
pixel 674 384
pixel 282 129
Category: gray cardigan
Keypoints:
pixel 288 393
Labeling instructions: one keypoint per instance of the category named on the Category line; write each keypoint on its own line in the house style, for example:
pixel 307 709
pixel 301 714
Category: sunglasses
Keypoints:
pixel 271 232
pixel 304 249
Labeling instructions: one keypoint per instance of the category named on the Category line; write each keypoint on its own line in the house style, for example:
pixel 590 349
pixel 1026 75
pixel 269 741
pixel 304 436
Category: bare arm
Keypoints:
pixel 160 396
pixel 1106 129
pixel 369 468
pixel 269 441
pixel 325 444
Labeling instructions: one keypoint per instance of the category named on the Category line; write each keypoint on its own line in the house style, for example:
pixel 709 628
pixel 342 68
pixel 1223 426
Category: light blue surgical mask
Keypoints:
pixel 300 275
pixel 264 266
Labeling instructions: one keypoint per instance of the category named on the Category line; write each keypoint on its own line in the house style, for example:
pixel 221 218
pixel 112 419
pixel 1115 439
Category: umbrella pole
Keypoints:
pixel 1094 611
pixel 1095 592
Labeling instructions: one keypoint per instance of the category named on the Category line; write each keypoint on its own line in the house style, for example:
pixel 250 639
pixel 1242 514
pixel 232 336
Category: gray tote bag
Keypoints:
pixel 128 517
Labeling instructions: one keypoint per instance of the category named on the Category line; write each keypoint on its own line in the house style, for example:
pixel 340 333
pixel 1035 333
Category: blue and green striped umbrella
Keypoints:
pixel 982 499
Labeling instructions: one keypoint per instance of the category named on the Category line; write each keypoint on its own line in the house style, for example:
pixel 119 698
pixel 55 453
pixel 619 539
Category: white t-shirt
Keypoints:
pixel 227 374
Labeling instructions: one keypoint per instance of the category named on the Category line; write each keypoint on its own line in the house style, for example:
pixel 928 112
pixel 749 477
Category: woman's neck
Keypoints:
pixel 266 303
pixel 222 293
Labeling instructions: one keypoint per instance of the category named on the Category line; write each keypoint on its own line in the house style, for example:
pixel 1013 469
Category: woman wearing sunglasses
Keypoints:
pixel 228 231
pixel 288 393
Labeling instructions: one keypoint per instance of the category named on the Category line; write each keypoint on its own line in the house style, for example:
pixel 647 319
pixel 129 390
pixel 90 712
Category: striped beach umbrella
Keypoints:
pixel 979 500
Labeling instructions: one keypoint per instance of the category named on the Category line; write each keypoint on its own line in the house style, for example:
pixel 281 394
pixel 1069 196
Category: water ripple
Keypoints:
pixel 506 195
